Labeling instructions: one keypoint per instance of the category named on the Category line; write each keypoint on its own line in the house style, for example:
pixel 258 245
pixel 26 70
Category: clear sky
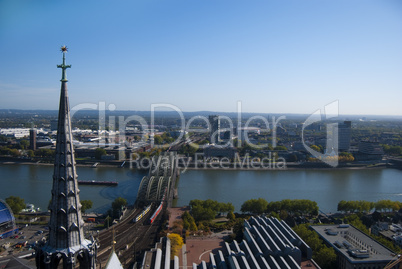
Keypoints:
pixel 279 56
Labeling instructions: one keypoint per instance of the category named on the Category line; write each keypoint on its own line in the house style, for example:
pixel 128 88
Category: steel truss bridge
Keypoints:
pixel 161 177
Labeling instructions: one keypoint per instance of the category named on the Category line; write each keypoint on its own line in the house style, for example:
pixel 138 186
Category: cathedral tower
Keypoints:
pixel 66 248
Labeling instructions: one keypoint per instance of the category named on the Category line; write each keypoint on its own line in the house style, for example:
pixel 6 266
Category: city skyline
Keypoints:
pixel 273 57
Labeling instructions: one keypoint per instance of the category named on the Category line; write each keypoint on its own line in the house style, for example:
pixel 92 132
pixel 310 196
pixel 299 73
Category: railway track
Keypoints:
pixel 132 239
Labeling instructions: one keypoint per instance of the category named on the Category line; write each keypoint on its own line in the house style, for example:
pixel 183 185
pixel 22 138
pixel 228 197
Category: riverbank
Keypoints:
pixel 213 166
pixel 84 163
pixel 288 166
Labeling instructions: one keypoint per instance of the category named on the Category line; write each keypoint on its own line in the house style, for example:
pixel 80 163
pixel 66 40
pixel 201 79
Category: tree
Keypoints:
pixel 190 149
pixel 158 139
pixel 231 216
pixel 99 152
pixel 86 204
pixel 393 150
pixel 316 148
pixel 346 157
pixel 238 229
pixel 280 148
pixel 255 206
pixel 145 154
pixel 30 153
pixel 45 153
pixel 201 213
pixel 15 203
pixel 15 153
pixel 118 205
pixel 24 144
pixel 176 242
pixel 167 138
pixel 188 222
pixel 296 206
pixel 208 209
pixel 324 256
pixel 387 205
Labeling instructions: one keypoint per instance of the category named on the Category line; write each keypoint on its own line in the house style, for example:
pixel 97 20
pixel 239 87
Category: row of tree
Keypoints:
pixel 43 153
pixel 339 158
pixel 365 206
pixel 392 150
pixel 9 151
pixel 208 209
pixel 17 204
pixel 297 206
pixel 165 138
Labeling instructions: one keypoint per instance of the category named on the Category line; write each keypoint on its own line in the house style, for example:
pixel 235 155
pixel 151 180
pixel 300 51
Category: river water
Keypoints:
pixel 33 183
pixel 326 187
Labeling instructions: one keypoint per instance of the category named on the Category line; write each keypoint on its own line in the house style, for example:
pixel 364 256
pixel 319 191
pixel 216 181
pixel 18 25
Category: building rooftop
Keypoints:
pixel 355 245
pixel 5 213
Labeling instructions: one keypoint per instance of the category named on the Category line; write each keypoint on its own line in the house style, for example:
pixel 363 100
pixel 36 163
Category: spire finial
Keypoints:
pixel 63 66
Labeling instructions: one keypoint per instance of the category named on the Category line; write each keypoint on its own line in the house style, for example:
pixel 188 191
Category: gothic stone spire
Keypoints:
pixel 66 233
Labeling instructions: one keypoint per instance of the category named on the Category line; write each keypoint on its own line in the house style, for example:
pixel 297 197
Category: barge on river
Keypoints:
pixel 94 182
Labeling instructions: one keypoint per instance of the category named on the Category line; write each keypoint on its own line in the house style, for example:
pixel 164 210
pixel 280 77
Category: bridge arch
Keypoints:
pixel 152 187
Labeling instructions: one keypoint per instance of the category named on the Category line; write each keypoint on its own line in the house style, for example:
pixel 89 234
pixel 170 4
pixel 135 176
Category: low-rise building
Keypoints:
pixel 354 249
pixel 219 151
pixel 369 151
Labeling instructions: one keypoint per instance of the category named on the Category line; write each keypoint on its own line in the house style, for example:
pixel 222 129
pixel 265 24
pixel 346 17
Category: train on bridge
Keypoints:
pixel 142 214
pixel 159 209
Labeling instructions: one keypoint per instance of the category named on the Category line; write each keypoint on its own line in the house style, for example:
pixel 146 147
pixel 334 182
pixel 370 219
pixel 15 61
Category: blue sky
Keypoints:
pixel 272 56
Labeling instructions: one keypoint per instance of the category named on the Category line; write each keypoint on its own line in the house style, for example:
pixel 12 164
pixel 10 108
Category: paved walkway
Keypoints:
pixel 198 249
pixel 175 214
pixel 184 257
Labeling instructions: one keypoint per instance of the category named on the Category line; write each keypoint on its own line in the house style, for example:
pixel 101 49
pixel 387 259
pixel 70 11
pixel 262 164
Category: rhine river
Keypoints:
pixel 33 183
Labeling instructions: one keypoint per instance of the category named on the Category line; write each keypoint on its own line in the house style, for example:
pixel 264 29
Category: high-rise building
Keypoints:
pixel 344 135
pixel 214 123
pixel 32 139
pixel 67 247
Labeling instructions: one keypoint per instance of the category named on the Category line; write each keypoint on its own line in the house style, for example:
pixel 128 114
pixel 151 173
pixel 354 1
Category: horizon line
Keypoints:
pixel 206 111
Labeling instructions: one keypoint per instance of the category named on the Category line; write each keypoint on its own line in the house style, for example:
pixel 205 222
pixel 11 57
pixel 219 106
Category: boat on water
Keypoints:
pixel 95 165
pixel 30 208
pixel 94 182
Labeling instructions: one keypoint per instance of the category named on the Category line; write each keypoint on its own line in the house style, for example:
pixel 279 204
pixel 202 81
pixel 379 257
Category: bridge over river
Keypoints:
pixel 133 238
pixel 161 179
